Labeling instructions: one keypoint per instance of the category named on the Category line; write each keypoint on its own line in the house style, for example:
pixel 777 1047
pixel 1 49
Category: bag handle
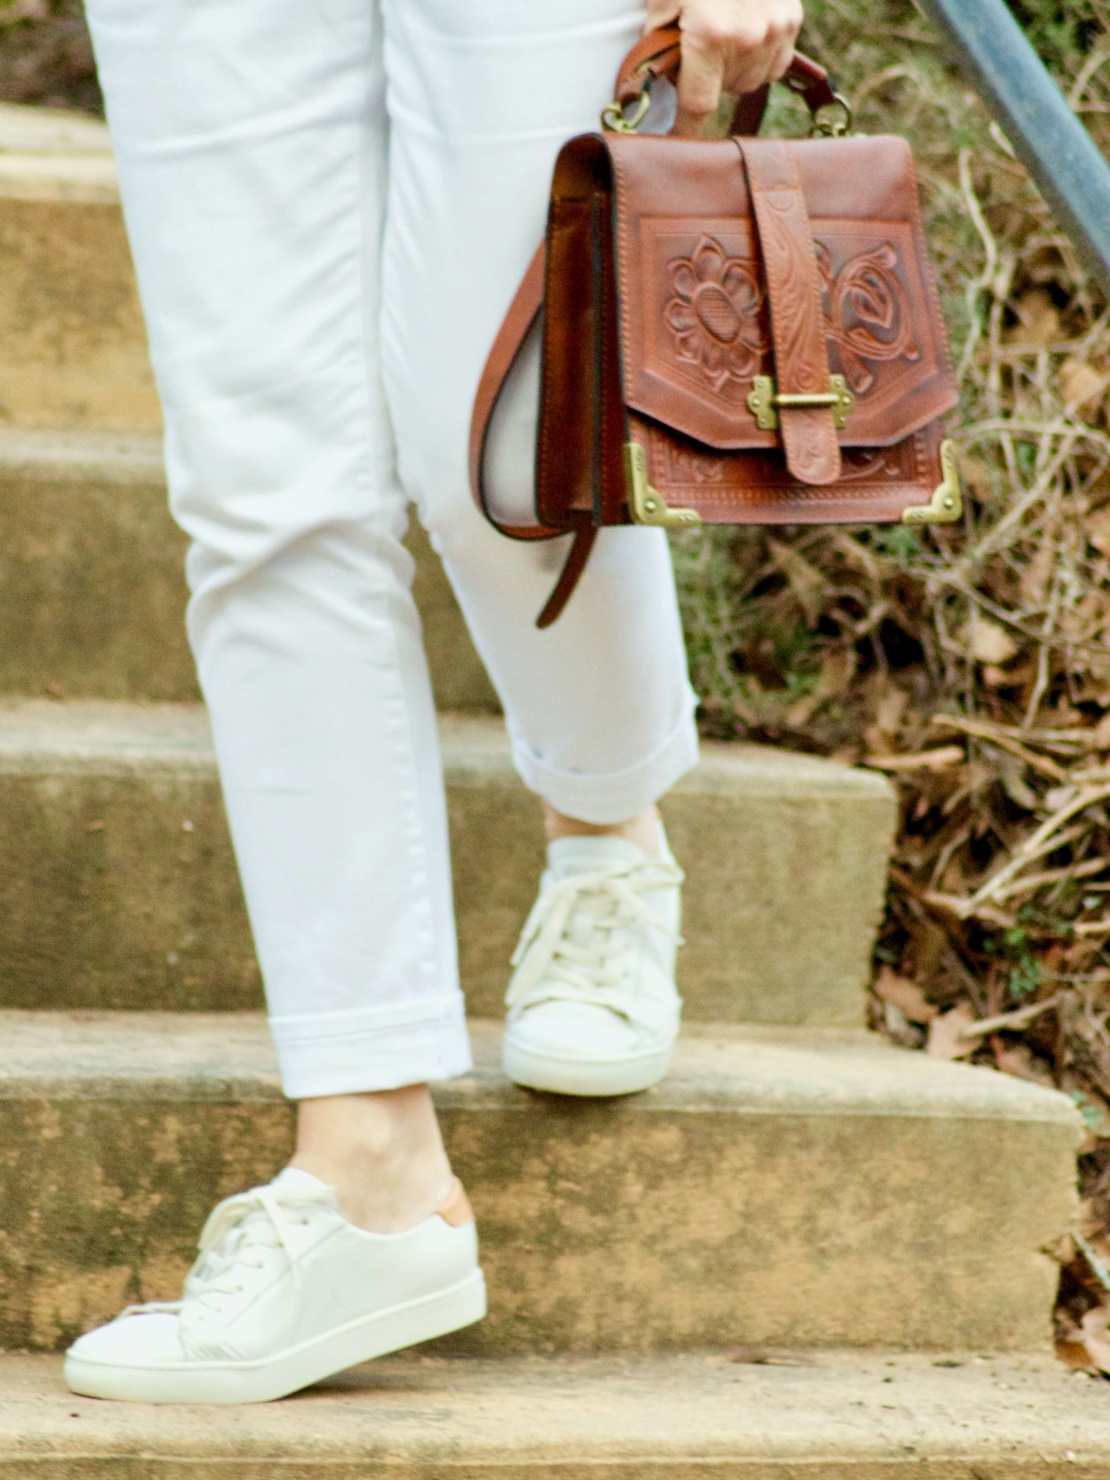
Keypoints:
pixel 659 54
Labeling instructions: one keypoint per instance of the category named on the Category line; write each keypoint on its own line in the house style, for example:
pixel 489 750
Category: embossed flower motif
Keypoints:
pixel 868 314
pixel 716 314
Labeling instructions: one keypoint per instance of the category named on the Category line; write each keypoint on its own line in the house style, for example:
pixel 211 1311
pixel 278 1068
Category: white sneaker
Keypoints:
pixel 593 1007
pixel 285 1292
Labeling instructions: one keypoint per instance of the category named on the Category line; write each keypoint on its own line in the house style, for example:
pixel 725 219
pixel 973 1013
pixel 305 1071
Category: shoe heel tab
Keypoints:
pixel 455 1208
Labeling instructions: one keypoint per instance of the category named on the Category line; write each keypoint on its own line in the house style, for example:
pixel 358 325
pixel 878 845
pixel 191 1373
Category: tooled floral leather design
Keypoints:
pixel 695 466
pixel 718 315
pixel 697 475
pixel 863 296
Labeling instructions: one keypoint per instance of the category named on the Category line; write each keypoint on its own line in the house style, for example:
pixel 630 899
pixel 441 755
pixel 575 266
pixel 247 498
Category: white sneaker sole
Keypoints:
pixel 289 1371
pixel 597 1078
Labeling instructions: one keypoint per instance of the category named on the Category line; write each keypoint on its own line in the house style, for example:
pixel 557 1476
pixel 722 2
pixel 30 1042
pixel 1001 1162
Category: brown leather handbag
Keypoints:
pixel 735 331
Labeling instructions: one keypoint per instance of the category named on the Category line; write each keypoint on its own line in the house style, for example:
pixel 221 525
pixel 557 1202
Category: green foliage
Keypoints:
pixel 1061 30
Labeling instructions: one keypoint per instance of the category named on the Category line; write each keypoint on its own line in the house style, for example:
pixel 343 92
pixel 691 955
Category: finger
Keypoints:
pixel 748 70
pixel 781 65
pixel 660 14
pixel 700 80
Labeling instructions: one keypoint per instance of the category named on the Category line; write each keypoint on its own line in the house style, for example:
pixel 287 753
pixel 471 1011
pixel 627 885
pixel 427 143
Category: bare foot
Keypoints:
pixel 642 830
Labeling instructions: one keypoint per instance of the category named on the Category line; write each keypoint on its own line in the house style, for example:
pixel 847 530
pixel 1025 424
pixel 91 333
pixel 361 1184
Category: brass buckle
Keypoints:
pixel 645 504
pixel 833 128
pixel 946 504
pixel 765 401
pixel 615 118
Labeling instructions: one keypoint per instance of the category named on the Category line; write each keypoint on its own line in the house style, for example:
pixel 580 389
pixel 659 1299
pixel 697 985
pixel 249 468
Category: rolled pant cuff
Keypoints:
pixel 347 1053
pixel 614 796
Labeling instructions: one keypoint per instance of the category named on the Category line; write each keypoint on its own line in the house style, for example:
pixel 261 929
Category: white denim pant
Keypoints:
pixel 330 204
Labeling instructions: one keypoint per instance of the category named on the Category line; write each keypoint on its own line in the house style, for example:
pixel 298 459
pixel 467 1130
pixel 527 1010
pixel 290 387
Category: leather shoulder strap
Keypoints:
pixel 797 322
pixel 657 54
pixel 522 314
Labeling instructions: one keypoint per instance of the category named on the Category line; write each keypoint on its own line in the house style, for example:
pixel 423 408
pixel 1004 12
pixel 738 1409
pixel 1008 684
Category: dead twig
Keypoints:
pixel 1010 1022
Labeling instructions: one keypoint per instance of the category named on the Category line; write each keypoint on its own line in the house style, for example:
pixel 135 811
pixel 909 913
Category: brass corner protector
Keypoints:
pixel 645 504
pixel 946 504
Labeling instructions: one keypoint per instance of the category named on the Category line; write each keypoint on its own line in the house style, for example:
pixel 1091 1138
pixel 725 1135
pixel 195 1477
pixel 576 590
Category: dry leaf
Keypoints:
pixel 879 742
pixel 1019 1060
pixel 804 579
pixel 1071 1349
pixel 945 1034
pixel 899 1029
pixel 887 704
pixel 1002 678
pixel 987 642
pixel 905 994
pixel 24 10
pixel 890 708
pixel 1082 387
pixel 1089 1222
pixel 1096 1337
pixel 1039 319
pixel 1097 529
pixel 977 477
pixel 837 668
pixel 955 879
pixel 1036 575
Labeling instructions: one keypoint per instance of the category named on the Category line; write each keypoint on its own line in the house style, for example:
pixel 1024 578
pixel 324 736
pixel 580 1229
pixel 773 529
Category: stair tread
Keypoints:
pixel 54 132
pixel 759 1070
pixel 115 863
pixel 81 456
pixel 420 1410
pixel 84 734
pixel 53 155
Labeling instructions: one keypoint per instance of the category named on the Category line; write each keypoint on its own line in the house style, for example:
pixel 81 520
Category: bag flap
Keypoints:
pixel 695 321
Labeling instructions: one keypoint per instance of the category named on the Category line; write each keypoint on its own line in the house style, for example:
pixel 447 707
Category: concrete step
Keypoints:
pixel 118 888
pixel 92 588
pixel 74 344
pixel 832 1416
pixel 789 1188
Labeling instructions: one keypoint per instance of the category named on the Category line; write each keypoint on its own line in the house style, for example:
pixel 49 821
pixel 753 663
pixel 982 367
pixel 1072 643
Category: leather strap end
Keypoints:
pixel 569 576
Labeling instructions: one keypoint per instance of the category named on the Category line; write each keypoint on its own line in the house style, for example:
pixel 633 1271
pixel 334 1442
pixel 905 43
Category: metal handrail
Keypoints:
pixel 997 59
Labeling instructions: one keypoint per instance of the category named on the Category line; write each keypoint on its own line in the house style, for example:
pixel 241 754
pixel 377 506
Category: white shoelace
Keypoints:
pixel 557 967
pixel 234 1235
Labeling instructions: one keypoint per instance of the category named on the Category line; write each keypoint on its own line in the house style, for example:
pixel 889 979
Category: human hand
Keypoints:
pixel 730 46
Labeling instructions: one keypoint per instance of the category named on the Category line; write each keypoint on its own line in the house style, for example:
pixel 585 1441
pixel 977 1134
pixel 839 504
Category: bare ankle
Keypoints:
pixel 382 1153
pixel 642 829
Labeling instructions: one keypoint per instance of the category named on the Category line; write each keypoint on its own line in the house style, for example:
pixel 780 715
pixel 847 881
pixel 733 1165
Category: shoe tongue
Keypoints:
pixel 293 1179
pixel 582 855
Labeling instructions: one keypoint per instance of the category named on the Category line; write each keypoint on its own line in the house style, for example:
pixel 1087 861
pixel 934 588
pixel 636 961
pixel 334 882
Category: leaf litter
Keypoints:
pixel 971 666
